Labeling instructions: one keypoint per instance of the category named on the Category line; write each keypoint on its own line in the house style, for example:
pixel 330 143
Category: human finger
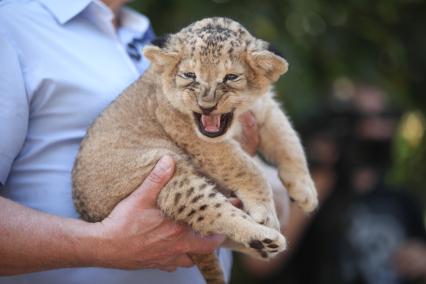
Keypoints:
pixel 250 133
pixel 183 260
pixel 236 202
pixel 173 263
pixel 147 193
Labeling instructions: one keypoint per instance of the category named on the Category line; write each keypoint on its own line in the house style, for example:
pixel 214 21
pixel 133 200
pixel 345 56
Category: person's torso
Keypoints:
pixel 72 73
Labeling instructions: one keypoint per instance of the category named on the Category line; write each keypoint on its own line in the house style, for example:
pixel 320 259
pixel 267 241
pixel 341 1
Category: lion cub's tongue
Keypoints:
pixel 211 123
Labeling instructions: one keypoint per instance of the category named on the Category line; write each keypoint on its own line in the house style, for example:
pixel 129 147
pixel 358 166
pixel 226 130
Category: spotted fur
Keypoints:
pixel 156 116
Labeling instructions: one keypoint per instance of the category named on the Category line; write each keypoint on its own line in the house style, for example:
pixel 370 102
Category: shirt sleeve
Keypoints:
pixel 14 107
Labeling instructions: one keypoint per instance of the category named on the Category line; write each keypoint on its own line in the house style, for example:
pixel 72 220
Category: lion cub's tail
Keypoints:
pixel 209 267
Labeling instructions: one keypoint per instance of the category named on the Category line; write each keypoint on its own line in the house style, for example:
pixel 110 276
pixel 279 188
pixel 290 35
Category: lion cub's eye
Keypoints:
pixel 188 75
pixel 230 77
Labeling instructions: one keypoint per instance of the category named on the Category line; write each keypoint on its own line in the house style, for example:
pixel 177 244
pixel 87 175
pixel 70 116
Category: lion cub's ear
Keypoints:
pixel 159 56
pixel 267 63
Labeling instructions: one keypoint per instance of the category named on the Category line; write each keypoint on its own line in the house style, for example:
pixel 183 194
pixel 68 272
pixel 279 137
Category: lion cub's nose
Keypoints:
pixel 207 111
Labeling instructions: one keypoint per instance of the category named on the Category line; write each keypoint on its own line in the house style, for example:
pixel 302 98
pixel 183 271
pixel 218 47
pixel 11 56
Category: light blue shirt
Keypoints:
pixel 61 64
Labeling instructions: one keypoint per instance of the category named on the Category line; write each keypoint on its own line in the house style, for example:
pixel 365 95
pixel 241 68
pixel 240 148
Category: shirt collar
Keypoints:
pixel 65 11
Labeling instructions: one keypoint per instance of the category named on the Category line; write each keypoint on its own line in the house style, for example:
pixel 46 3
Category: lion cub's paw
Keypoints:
pixel 268 243
pixel 302 190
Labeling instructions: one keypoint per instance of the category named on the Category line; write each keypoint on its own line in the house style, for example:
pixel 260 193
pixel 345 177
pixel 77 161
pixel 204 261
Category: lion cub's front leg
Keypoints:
pixel 280 144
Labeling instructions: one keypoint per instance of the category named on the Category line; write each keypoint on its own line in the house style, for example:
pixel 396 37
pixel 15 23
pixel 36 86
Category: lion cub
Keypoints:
pixel 186 105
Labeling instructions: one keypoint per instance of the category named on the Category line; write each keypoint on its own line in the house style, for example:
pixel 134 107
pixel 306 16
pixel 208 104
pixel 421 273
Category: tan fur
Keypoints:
pixel 154 117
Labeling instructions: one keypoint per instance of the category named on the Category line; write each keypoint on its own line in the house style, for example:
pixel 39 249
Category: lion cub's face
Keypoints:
pixel 212 71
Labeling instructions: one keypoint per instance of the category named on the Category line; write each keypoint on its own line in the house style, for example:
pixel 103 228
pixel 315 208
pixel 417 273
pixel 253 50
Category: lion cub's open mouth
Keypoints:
pixel 213 125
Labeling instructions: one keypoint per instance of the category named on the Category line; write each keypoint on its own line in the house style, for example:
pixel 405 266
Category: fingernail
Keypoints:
pixel 164 164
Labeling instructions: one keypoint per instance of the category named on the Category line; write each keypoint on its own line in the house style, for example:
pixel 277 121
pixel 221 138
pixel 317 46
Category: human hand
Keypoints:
pixel 249 139
pixel 136 234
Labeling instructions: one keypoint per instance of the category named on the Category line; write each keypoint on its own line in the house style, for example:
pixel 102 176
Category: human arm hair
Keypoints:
pixel 31 240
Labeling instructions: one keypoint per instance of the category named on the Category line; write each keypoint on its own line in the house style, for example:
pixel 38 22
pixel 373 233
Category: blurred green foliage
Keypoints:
pixel 328 42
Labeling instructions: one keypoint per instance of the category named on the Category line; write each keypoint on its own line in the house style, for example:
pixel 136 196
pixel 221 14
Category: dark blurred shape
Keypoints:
pixel 363 230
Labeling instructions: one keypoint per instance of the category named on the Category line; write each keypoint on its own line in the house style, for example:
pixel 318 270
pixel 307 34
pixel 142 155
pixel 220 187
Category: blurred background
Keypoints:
pixel 355 91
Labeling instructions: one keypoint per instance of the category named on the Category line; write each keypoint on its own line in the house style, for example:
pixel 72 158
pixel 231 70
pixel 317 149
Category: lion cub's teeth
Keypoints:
pixel 211 123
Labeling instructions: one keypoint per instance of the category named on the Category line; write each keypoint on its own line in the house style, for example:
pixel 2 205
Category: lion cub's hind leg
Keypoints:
pixel 237 172
pixel 194 200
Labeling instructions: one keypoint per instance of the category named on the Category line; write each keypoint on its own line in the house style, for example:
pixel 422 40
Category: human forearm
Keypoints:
pixel 32 240
pixel 135 235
